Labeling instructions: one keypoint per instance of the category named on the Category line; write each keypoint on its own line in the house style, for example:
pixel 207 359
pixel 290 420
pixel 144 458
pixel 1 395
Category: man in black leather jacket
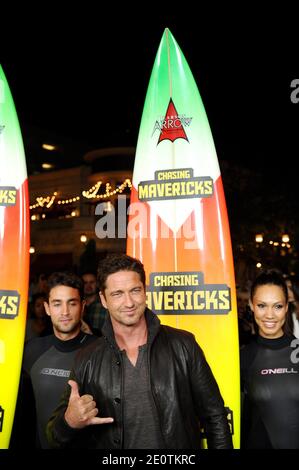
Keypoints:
pixel 143 385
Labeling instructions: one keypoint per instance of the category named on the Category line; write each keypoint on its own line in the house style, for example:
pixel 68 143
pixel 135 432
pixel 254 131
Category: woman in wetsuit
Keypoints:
pixel 270 370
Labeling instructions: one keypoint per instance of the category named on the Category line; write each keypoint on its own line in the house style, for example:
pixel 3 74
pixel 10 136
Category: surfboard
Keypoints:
pixel 14 255
pixel 178 223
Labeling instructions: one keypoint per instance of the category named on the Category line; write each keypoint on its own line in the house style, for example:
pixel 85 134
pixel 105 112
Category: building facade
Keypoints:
pixel 66 207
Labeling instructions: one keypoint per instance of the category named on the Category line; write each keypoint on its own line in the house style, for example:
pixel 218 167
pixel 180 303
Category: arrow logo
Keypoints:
pixel 172 125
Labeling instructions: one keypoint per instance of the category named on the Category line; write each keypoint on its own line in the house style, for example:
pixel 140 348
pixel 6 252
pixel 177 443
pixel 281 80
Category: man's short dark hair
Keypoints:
pixel 115 263
pixel 68 279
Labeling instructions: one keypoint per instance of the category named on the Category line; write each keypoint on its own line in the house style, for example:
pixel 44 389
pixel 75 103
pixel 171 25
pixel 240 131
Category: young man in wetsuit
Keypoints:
pixel 48 360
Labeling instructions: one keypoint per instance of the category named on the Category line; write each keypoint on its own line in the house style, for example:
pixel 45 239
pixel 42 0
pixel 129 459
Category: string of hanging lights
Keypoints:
pixel 92 193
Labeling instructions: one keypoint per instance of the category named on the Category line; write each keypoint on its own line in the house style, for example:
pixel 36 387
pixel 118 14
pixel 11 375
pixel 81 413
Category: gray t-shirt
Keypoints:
pixel 141 423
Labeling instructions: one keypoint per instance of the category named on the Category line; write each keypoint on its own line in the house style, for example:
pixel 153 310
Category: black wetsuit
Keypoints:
pixel 270 384
pixel 48 362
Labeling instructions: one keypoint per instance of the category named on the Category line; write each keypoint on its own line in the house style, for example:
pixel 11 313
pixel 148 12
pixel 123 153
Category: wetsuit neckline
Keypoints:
pixel 274 343
pixel 70 344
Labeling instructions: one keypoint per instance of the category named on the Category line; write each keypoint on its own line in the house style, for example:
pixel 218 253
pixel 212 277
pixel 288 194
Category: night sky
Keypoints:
pixel 86 76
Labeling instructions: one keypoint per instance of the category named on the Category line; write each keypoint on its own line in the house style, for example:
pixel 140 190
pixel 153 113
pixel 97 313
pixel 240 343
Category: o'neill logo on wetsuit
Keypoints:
pixel 171 127
pixel 57 372
pixel 282 370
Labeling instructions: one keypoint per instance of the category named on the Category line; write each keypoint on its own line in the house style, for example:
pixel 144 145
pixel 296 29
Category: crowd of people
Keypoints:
pixel 101 371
